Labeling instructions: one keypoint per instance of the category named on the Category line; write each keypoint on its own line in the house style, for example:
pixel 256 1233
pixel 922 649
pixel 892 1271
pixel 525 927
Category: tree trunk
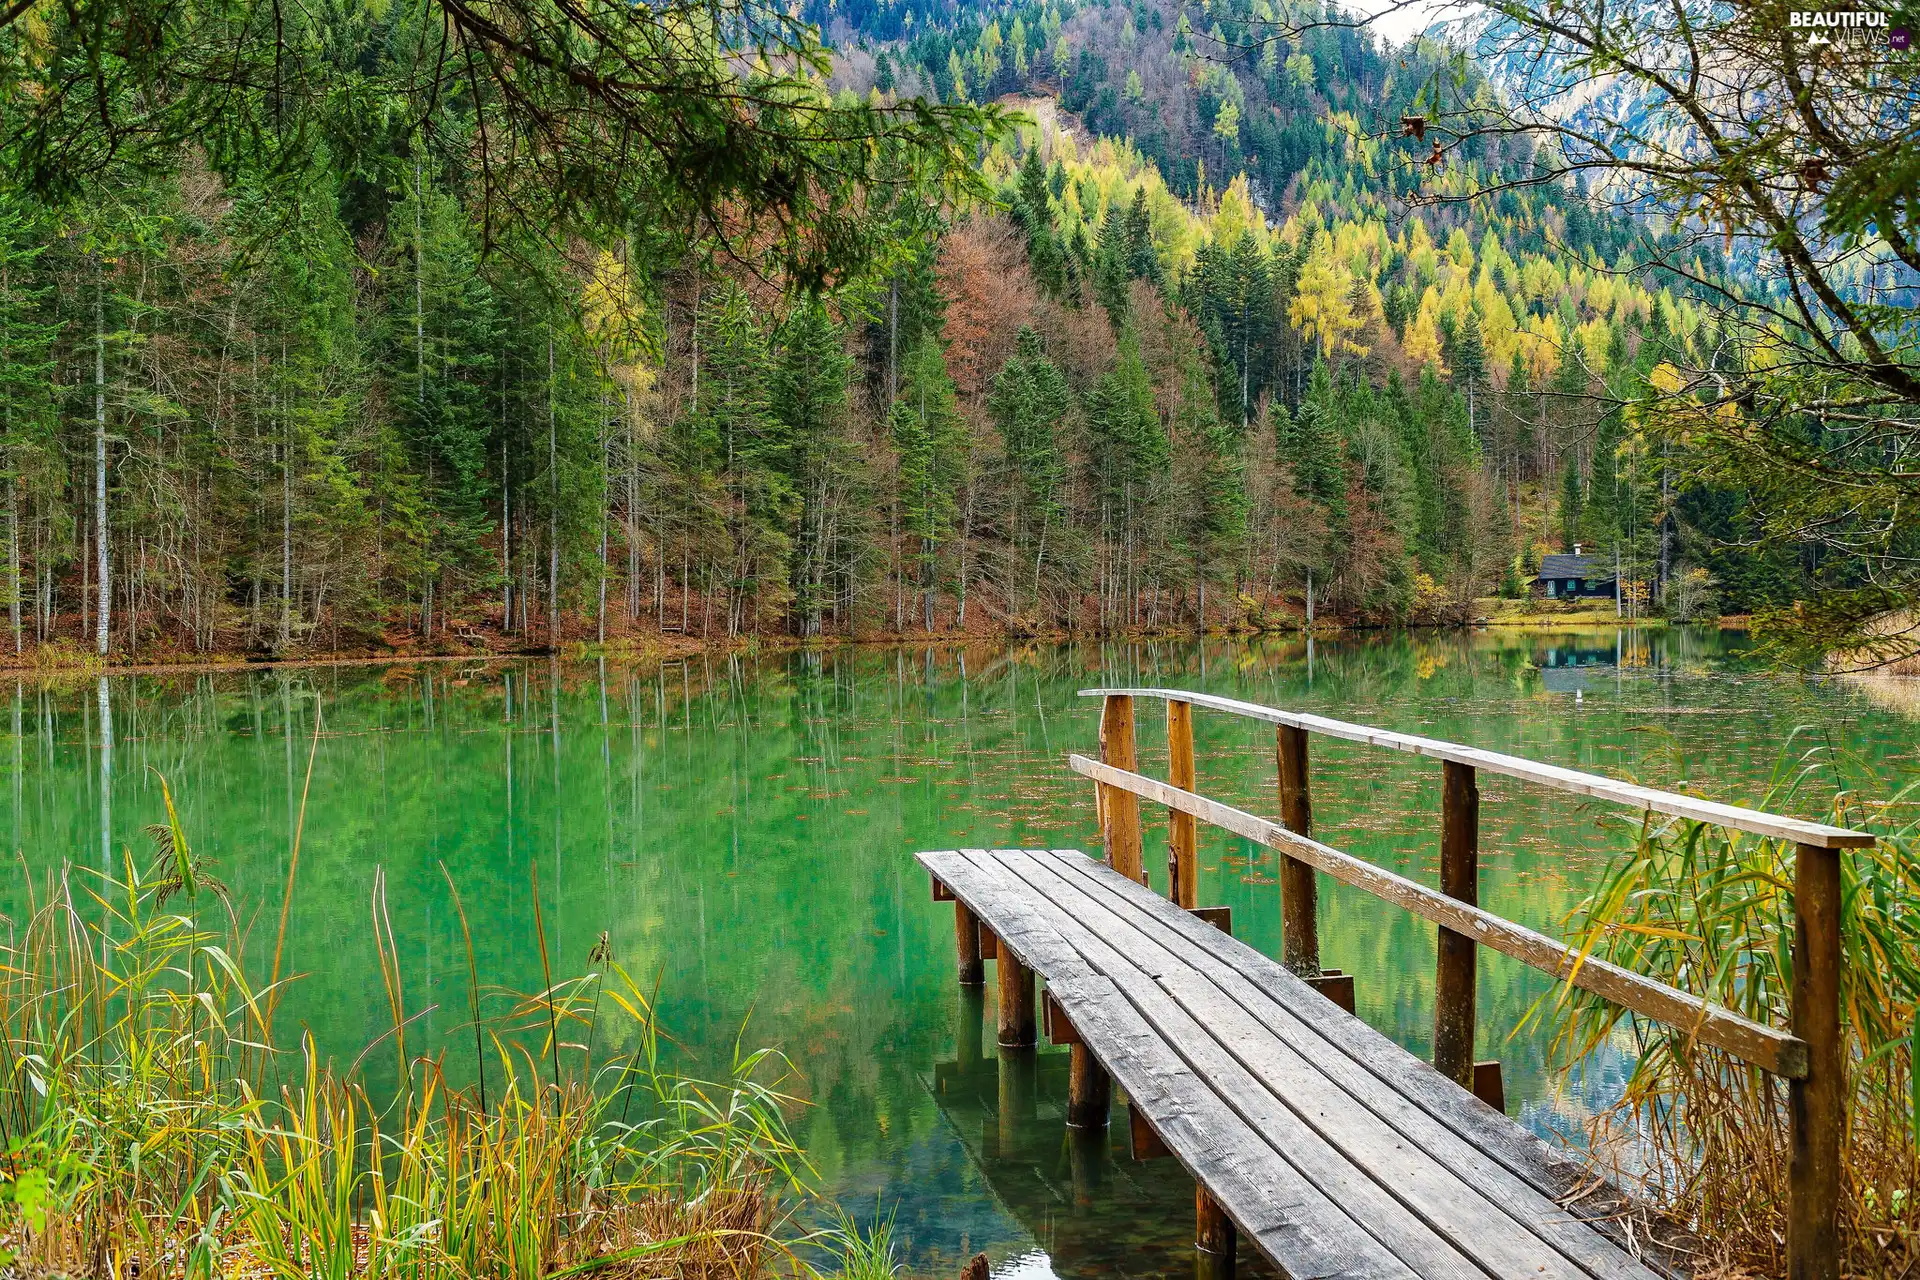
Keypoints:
pixel 553 517
pixel 606 469
pixel 13 558
pixel 506 531
pixel 419 299
pixel 286 527
pixel 102 565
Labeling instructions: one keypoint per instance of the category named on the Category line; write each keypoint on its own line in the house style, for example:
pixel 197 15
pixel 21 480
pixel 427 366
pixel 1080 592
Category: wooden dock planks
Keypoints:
pixel 1334 1151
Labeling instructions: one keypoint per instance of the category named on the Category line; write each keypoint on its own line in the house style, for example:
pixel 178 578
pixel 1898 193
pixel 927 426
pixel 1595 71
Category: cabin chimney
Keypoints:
pixel 1576 548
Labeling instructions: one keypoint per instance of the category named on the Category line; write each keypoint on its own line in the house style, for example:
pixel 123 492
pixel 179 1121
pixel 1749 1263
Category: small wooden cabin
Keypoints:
pixel 1562 576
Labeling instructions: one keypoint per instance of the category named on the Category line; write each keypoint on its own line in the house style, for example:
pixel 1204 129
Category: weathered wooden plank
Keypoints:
pixel 1432 1216
pixel 1438 1236
pixel 1711 1024
pixel 1596 785
pixel 1501 1160
pixel 1299 1229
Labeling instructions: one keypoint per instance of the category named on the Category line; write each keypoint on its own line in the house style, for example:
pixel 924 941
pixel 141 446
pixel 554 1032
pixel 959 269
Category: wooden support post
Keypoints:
pixel 1220 918
pixel 1489 1085
pixel 1054 1022
pixel 1089 1090
pixel 1016 1001
pixel 1453 999
pixel 1213 1236
pixel 1120 810
pixel 1142 1136
pixel 1182 828
pixel 1299 894
pixel 1335 986
pixel 1816 1105
pixel 966 940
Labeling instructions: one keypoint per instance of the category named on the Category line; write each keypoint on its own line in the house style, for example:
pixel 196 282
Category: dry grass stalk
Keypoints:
pixel 1711 912
pixel 150 1127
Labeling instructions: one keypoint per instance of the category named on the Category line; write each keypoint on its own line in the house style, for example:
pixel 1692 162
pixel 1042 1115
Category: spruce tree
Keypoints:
pixel 1319 445
pixel 929 437
pixel 808 395
pixel 1571 502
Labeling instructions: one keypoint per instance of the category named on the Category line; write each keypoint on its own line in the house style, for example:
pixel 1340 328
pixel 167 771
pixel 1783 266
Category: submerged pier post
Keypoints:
pixel 1214 1238
pixel 1017 1097
pixel 1087 1159
pixel 970 1033
pixel 1016 1000
pixel 1089 1090
pixel 966 940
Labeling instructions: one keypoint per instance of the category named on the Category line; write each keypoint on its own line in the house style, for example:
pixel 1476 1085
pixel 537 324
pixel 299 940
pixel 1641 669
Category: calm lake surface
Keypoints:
pixel 743 829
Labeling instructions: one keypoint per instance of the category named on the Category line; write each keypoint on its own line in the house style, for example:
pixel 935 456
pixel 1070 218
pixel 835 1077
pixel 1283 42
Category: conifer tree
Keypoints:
pixel 809 398
pixel 1318 455
pixel 1029 404
pixel 929 436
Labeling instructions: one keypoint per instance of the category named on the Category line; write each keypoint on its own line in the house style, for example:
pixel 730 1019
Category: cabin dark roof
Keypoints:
pixel 1573 567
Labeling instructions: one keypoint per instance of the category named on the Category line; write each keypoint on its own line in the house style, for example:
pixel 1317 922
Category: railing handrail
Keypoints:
pixel 1812 1056
pixel 1599 786
pixel 1708 1023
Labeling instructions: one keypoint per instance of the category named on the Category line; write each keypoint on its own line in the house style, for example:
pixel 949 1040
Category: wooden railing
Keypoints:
pixel 1808 1055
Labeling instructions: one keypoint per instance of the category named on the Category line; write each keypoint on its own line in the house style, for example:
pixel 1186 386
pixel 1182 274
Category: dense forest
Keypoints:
pixel 1208 357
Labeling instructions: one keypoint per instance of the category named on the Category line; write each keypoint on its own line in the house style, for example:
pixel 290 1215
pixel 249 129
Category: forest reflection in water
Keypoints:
pixel 742 828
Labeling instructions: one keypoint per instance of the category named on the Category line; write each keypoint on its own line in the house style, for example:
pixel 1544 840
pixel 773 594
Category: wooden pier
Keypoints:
pixel 1333 1151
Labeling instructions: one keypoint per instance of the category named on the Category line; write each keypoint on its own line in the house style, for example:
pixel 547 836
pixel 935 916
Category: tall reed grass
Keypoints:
pixel 1711 911
pixel 152 1125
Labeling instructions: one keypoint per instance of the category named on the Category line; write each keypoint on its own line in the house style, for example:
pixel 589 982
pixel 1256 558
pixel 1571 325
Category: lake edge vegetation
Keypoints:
pixel 1711 911
pixel 153 1125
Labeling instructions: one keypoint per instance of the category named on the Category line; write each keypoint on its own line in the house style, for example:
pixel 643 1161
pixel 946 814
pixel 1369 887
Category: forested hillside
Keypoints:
pixel 1213 356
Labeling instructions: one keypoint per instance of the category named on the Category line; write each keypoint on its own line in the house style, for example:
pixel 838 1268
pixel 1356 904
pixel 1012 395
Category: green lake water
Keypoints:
pixel 743 829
